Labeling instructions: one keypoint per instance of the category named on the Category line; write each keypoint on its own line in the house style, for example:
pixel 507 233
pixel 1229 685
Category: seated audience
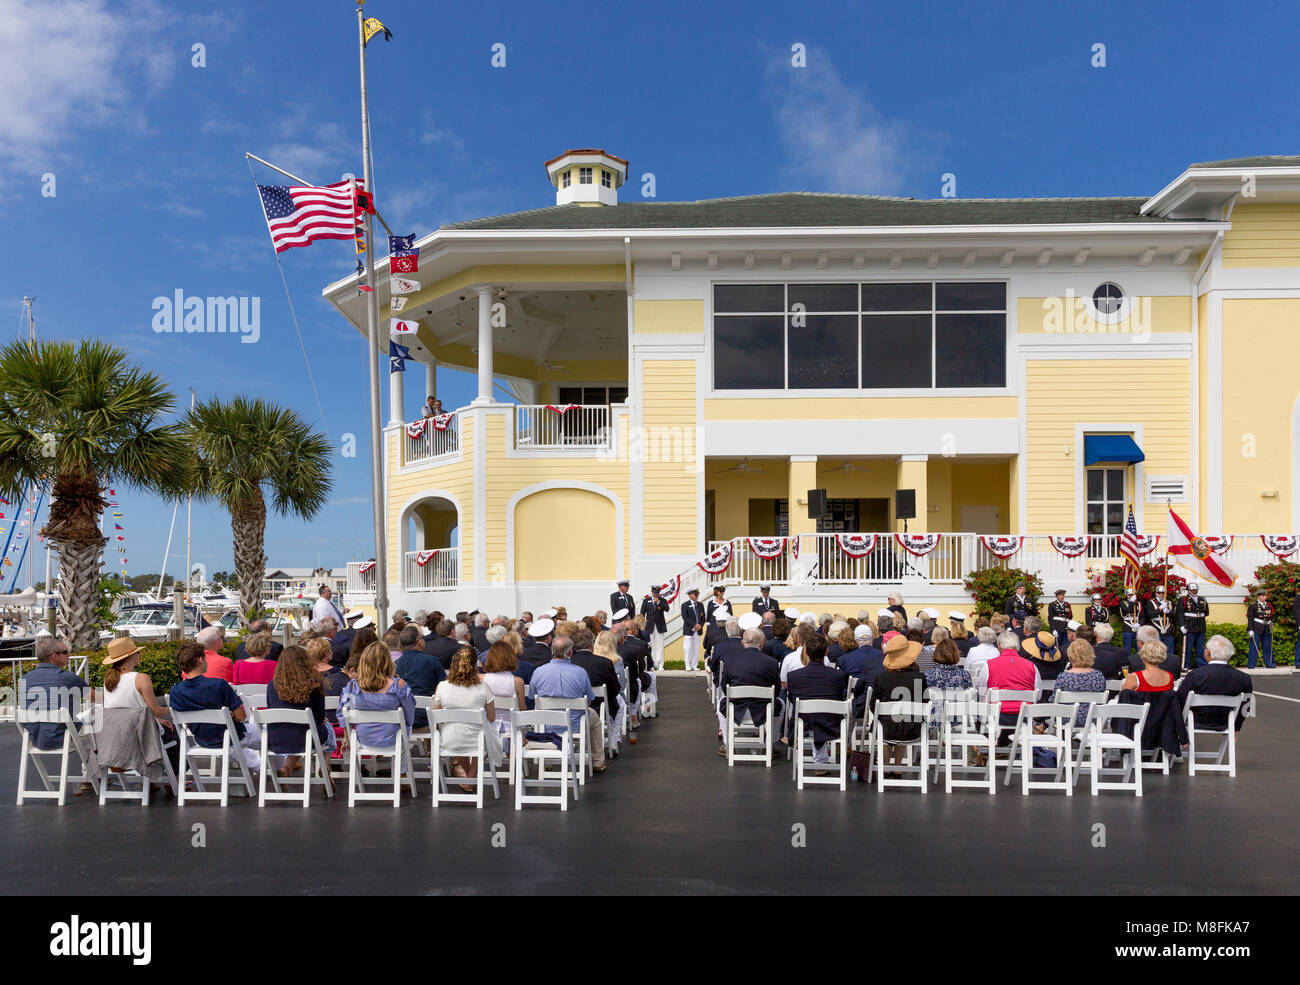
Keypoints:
pixel 376 687
pixel 1110 661
pixel 1009 671
pixel 1044 652
pixel 262 626
pixel 256 667
pixel 297 684
pixel 464 690
pixel 749 667
pixel 48 686
pixel 196 691
pixel 900 680
pixel 421 671
pixel 1082 675
pixel 561 678
pixel 1152 676
pixel 500 675
pixel 212 638
pixel 1215 677
pixel 944 674
pixel 818 680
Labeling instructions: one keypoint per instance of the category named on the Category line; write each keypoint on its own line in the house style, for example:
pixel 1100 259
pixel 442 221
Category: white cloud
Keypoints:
pixel 834 136
pixel 70 64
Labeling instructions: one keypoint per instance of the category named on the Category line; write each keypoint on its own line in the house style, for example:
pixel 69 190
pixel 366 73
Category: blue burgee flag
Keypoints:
pixel 397 356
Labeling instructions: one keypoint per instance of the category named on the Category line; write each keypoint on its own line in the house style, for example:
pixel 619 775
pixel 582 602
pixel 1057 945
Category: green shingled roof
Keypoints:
pixel 793 209
pixel 1275 161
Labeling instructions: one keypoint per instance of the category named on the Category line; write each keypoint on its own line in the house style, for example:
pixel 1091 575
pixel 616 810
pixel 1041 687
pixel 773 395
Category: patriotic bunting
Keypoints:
pixel 999 546
pixel 424 557
pixel 767 548
pixel 717 561
pixel 1281 545
pixel 365 566
pixel 856 545
pixel 564 409
pixel 416 428
pixel 1071 546
pixel 918 545
pixel 1146 543
pixel 1219 543
pixel 669 590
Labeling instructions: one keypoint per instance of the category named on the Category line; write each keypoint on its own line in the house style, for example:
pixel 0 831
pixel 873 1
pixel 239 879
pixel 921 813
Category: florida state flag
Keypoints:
pixel 1196 554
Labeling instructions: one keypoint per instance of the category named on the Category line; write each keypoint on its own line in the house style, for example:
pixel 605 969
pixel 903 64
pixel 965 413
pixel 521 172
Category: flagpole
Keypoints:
pixel 372 319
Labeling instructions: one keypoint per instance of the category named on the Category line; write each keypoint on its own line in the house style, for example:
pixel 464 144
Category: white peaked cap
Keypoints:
pixel 792 614
pixel 620 615
pixel 541 628
pixel 750 620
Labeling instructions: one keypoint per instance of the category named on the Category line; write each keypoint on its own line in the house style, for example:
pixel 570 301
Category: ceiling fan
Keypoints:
pixel 742 466
pixel 845 467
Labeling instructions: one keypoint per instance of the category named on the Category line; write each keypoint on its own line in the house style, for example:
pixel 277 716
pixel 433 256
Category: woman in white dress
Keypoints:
pixel 464 690
pixel 499 667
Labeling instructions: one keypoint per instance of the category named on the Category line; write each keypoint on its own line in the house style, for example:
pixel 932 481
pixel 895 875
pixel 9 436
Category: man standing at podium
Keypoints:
pixel 621 599
pixel 765 603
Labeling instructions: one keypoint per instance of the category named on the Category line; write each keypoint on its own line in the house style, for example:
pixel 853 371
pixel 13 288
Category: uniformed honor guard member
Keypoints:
pixel 1019 608
pixel 692 628
pixel 1195 612
pixel 718 608
pixel 655 609
pixel 764 603
pixel 1130 611
pixel 1158 612
pixel 1097 612
pixel 1060 614
pixel 621 599
pixel 1259 624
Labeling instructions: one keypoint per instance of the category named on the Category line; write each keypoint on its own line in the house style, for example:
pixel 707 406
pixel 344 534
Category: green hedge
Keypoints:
pixel 158 660
pixel 1283 642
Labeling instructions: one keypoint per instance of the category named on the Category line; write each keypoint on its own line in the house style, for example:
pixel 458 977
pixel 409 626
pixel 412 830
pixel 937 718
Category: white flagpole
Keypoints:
pixel 372 318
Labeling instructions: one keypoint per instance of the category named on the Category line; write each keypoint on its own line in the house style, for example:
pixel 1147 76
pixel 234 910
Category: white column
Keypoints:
pixel 431 378
pixel 484 346
pixel 396 399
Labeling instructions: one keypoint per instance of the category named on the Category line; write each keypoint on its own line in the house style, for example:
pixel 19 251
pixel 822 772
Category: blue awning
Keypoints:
pixel 1111 448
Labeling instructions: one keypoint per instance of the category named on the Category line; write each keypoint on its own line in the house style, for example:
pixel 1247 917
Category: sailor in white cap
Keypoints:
pixel 1097 612
pixel 622 599
pixel 655 609
pixel 764 602
pixel 718 608
pixel 537 648
pixel 749 620
pixel 692 628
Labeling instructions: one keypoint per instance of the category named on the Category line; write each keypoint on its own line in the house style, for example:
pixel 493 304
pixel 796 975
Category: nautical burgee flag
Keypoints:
pixel 1194 554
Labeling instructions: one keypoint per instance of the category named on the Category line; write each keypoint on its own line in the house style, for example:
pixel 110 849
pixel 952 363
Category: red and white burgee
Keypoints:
pixel 716 561
pixel 670 589
pixel 1070 546
pixel 767 547
pixel 416 428
pixel 1219 543
pixel 856 545
pixel 1001 546
pixel 562 409
pixel 365 566
pixel 1195 553
pixel 441 421
pixel 918 544
pixel 424 557
pixel 1281 545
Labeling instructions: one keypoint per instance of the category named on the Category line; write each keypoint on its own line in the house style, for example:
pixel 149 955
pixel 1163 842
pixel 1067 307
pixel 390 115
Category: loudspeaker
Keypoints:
pixel 817 505
pixel 905 504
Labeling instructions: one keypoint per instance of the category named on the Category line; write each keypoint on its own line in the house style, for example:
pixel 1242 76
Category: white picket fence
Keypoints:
pixel 440 571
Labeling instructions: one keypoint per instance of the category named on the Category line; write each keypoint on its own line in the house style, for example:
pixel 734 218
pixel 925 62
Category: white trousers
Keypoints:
pixel 657 650
pixel 691 651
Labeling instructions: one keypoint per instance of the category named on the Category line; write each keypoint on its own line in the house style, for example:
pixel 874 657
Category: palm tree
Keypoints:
pixel 78 418
pixel 247 450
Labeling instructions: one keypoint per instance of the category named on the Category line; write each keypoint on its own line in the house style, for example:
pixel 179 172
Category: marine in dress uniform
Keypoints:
pixel 692 628
pixel 1018 608
pixel 1195 613
pixel 1097 613
pixel 621 599
pixel 1259 623
pixel 1159 612
pixel 764 603
pixel 1059 614
pixel 1130 611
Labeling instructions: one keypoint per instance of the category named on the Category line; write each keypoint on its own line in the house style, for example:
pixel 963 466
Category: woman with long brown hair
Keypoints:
pixel 296 684
pixel 464 690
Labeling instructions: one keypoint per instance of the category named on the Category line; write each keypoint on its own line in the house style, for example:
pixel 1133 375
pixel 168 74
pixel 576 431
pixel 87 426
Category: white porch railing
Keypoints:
pixel 359 581
pixel 433 443
pixel 440 570
pixel 548 427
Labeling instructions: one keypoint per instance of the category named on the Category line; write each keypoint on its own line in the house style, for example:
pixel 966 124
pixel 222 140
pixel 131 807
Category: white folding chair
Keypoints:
pixel 1102 740
pixel 562 780
pixel 253 696
pixel 747 742
pixel 1056 738
pixel 125 791
pixel 1227 737
pixel 52 788
pixel 968 725
pixel 999 696
pixel 602 695
pixel 338 765
pixel 399 753
pixel 487 764
pixel 421 741
pixel 862 726
pixel 580 749
pixel 837 749
pixel 314 759
pixel 908 711
pixel 218 759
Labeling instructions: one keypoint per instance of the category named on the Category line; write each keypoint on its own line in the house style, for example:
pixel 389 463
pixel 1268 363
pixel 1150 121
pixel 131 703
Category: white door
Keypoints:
pixel 980 520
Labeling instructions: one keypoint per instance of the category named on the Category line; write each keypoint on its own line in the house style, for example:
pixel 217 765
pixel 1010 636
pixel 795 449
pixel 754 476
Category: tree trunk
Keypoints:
pixel 248 524
pixel 79 564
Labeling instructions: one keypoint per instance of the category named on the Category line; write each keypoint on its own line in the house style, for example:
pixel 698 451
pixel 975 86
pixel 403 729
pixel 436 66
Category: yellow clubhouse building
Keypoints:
pixel 662 384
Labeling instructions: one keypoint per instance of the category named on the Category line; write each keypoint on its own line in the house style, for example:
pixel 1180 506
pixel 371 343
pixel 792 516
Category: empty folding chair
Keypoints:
pixel 1227 736
pixel 253 696
pixel 1102 740
pixel 484 754
pixel 218 759
pixel 398 753
pixel 315 762
pixel 747 742
pixel 969 726
pixel 543 755
pixel 837 749
pixel 580 749
pixel 908 711
pixel 1055 738
pixel 52 787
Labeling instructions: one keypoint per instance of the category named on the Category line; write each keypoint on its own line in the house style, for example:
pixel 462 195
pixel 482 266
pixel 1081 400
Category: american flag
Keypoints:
pixel 298 215
pixel 1128 549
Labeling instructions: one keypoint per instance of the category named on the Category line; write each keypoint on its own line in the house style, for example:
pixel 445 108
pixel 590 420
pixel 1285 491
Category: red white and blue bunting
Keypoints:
pixel 1281 545
pixel 365 566
pixel 416 428
pixel 918 545
pixel 1219 543
pixel 1145 543
pixel 1071 546
pixel 716 561
pixel 441 421
pixel 424 557
pixel 856 545
pixel 670 589
pixel 562 409
pixel 1001 546
pixel 766 548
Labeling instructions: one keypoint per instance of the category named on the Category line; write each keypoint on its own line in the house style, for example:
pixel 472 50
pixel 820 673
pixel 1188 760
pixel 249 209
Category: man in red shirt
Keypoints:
pixel 212 639
pixel 1009 671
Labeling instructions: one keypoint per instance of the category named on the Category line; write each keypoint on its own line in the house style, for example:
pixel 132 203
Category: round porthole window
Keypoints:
pixel 1109 302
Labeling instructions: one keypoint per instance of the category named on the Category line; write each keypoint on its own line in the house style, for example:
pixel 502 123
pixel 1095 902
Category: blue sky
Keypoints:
pixel 152 193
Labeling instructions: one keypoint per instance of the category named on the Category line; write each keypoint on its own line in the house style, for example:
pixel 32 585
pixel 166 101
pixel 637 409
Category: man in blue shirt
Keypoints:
pixel 49 686
pixel 561 678
pixel 195 692
pixel 422 671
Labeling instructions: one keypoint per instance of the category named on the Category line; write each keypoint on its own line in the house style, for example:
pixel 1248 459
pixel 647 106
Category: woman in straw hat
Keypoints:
pixel 1045 654
pixel 126 687
pixel 900 680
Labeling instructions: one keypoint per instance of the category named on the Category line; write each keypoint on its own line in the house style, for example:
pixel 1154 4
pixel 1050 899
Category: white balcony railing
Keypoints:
pixel 434 442
pixel 567 427
pixel 360 580
pixel 441 569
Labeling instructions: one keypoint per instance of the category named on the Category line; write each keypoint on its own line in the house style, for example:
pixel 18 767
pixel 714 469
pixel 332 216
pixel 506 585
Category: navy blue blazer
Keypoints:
pixel 815 681
pixel 722 652
pixel 750 668
pixel 1214 679
pixel 1110 661
pixel 692 616
pixel 422 673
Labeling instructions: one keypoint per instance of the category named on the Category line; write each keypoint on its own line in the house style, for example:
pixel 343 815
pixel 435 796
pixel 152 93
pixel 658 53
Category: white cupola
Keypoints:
pixel 586 176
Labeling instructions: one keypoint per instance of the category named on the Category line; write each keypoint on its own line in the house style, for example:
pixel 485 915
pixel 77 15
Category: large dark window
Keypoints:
pixel 900 335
